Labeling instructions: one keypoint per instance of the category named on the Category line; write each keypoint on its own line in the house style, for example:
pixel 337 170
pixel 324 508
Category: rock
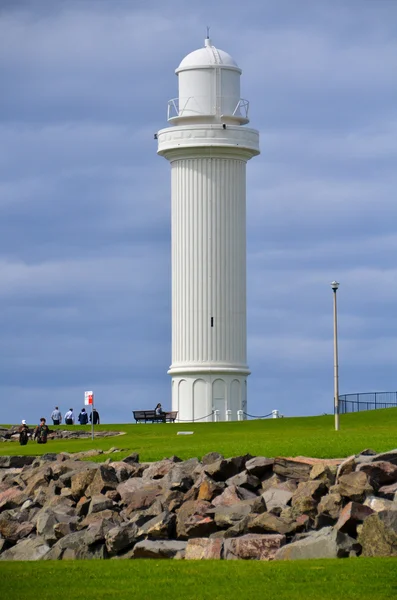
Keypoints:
pixel 171 500
pixel 231 495
pixel 326 543
pixel 346 466
pixel 388 491
pixel 128 488
pixel 228 516
pixel 223 469
pixel 351 515
pixel 209 489
pixel 378 535
pixel 276 498
pixel 323 473
pixel 99 503
pixel 104 479
pixel 354 486
pixel 269 523
pixel 244 480
pixel 292 468
pixel 94 552
pixel 29 549
pixel 132 459
pixel 203 549
pixel 80 481
pixel 161 526
pixel 181 477
pixel 15 462
pixel 379 473
pixel 158 470
pixel 143 498
pixel 259 466
pixel 307 497
pixel 97 531
pixel 380 504
pixel 110 515
pixel 211 457
pixel 253 547
pixel 158 549
pixel 121 537
pixel 12 498
pixel 390 456
pixel 124 470
pixel 330 505
pixel 62 529
pixel 71 542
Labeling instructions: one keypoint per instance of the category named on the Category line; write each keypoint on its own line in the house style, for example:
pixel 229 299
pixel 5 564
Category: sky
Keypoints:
pixel 85 265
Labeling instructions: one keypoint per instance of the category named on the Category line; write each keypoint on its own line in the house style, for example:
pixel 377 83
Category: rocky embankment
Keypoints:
pixel 61 507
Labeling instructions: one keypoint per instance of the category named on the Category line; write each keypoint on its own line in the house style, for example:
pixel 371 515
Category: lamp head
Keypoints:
pixel 335 285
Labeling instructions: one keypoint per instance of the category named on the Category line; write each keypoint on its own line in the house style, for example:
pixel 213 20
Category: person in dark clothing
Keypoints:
pixel 41 432
pixel 24 433
pixel 95 415
pixel 83 417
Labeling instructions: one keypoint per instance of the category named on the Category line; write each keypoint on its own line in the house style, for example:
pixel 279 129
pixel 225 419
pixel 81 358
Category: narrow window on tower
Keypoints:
pixel 212 321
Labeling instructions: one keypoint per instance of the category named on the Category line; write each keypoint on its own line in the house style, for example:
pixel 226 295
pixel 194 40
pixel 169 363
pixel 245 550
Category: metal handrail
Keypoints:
pixel 366 401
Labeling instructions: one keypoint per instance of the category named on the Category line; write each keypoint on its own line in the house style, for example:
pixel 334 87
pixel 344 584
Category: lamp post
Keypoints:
pixel 334 286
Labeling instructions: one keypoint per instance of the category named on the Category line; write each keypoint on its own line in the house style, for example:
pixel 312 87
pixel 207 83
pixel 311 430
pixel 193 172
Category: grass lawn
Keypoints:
pixel 309 436
pixel 349 579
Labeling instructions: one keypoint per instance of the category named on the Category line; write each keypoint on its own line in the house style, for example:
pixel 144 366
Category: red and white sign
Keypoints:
pixel 88 398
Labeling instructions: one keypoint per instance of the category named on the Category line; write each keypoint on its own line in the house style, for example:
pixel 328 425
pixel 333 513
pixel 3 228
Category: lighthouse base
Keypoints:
pixel 196 396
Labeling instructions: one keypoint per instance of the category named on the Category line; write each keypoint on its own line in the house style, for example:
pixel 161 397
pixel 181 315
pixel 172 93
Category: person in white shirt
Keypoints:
pixel 69 417
pixel 56 416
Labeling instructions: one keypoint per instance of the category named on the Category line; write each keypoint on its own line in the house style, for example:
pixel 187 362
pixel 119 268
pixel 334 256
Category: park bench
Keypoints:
pixel 150 416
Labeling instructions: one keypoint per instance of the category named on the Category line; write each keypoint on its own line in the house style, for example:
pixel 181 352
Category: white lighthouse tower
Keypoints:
pixel 208 149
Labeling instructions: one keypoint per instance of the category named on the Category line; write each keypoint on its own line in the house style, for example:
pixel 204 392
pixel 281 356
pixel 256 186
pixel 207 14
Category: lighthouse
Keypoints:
pixel 208 146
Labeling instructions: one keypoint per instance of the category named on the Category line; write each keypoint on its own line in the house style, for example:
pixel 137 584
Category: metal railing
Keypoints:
pixel 349 403
pixel 193 104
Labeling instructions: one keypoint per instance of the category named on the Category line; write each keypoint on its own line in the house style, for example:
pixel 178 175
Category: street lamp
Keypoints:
pixel 334 286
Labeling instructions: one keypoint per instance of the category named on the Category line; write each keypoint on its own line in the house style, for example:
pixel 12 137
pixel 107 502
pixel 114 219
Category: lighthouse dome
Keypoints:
pixel 209 56
pixel 209 89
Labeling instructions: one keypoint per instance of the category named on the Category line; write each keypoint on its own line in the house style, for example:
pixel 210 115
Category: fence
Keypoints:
pixel 349 403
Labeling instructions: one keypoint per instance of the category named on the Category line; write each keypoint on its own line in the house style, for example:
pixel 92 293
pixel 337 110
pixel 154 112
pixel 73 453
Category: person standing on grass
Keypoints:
pixel 95 415
pixel 56 416
pixel 24 433
pixel 69 417
pixel 83 417
pixel 41 432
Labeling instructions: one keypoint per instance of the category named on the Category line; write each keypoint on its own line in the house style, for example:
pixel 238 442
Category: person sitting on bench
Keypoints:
pixel 159 411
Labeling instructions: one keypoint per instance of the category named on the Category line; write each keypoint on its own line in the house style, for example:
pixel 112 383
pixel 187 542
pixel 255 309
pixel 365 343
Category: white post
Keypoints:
pixel 240 415
pixel 335 286
pixel 228 415
pixel 216 416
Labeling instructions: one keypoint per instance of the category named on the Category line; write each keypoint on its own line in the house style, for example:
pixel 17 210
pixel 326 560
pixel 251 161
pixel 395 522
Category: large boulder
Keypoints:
pixel 121 537
pixel 104 479
pixel 228 516
pixel 244 480
pixel 15 462
pixel 223 469
pixel 253 547
pixel 354 486
pixel 161 526
pixel 80 481
pixel 158 549
pixel 270 523
pixel 182 476
pixel 379 473
pixel 276 498
pixel 28 549
pixel 326 543
pixel 330 505
pixel 351 515
pixel 307 496
pixel 204 548
pixel 378 535
pixel 259 466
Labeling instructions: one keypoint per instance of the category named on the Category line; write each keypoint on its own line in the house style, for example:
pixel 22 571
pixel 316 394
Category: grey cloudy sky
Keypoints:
pixel 85 201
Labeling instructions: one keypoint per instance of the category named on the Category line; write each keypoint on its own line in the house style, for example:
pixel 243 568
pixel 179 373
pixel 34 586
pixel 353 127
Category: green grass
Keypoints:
pixel 350 579
pixel 310 436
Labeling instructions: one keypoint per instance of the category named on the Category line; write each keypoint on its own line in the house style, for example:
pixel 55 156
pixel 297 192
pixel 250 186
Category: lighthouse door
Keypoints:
pixel 219 398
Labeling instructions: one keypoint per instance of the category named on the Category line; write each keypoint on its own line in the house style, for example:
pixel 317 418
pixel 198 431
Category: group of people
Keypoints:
pixel 40 433
pixel 83 417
